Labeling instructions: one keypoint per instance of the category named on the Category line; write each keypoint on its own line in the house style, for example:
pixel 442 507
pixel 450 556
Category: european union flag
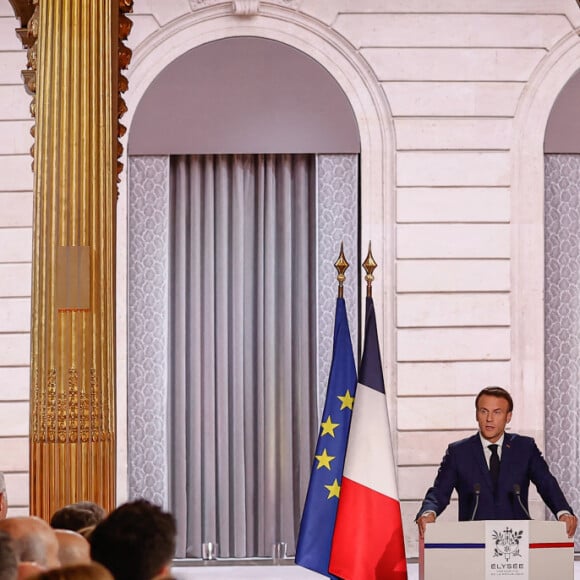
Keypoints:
pixel 319 514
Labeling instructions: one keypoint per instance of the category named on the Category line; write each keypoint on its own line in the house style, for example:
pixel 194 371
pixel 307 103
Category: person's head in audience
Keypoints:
pixel 72 548
pixel 135 542
pixel 77 516
pixel 8 559
pixel 29 570
pixel 33 540
pixel 91 571
pixel 98 511
pixel 3 497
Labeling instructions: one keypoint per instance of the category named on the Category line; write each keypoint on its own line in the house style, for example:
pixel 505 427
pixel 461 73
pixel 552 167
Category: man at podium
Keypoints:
pixel 492 470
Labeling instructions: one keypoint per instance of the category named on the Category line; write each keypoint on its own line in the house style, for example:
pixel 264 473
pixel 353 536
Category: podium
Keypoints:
pixel 485 550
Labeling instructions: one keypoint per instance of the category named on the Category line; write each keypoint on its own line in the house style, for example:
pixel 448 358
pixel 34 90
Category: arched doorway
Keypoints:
pixel 528 262
pixel 562 287
pixel 147 462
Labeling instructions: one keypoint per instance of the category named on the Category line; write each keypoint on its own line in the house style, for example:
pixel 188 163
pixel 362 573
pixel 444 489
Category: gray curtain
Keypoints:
pixel 242 349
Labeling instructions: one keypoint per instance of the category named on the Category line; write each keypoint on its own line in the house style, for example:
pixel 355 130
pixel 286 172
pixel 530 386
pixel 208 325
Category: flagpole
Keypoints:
pixel 319 513
pixel 368 542
pixel 369 265
pixel 341 266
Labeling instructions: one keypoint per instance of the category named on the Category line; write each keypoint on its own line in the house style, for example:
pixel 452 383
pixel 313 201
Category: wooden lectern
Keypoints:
pixel 485 550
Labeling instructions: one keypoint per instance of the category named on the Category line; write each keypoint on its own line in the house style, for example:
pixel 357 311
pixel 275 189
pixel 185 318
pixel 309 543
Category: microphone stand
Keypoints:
pixel 517 491
pixel 477 491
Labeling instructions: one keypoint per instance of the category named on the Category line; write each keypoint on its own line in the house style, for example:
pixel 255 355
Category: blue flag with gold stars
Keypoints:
pixel 319 514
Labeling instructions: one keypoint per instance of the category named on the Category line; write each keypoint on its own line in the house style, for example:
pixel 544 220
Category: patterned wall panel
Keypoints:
pixel 562 321
pixel 337 222
pixel 148 269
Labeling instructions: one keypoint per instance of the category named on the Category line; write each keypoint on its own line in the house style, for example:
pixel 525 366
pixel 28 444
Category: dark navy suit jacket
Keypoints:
pixel 464 468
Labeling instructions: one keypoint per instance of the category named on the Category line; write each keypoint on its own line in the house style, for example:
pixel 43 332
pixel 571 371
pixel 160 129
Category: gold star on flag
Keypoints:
pixel 333 490
pixel 328 427
pixel 346 401
pixel 324 460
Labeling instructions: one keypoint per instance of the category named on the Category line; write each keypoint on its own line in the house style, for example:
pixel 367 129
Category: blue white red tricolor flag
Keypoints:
pixel 368 534
pixel 317 525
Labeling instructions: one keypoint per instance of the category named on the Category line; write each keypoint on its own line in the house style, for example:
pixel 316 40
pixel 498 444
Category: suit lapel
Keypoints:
pixel 480 460
pixel 506 455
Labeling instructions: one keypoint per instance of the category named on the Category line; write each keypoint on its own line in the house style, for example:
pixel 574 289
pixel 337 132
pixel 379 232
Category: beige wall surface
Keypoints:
pixel 15 262
pixel 453 82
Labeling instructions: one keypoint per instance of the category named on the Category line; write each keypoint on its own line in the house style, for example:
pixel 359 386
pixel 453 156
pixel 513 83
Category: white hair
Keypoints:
pixel 2 483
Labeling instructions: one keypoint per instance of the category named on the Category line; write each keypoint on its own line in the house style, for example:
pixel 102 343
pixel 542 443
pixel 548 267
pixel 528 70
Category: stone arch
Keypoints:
pixel 528 193
pixel 377 158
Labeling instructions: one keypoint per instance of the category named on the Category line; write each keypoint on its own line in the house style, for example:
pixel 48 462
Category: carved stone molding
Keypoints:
pixel 246 7
pixel 199 4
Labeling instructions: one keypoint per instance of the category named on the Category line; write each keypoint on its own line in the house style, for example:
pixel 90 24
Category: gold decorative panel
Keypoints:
pixel 75 56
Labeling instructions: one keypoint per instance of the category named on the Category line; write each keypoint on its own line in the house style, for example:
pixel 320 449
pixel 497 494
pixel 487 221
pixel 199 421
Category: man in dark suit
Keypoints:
pixel 492 470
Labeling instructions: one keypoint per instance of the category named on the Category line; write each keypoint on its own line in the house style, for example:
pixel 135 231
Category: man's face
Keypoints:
pixel 492 416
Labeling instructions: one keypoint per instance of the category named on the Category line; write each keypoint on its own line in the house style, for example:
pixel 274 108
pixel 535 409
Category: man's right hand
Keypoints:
pixel 427 518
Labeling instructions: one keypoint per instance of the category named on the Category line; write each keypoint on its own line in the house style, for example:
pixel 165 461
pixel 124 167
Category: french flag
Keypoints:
pixel 368 535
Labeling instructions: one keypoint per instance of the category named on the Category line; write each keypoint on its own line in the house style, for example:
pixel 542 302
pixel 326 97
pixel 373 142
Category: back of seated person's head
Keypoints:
pixel 72 517
pixel 29 569
pixel 33 540
pixel 98 511
pixel 8 559
pixel 73 549
pixel 135 542
pixel 92 571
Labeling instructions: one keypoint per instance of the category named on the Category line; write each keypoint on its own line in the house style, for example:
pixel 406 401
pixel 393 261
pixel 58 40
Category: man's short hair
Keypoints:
pixel 499 392
pixel 77 516
pixel 8 559
pixel 98 511
pixel 33 539
pixel 135 541
pixel 2 483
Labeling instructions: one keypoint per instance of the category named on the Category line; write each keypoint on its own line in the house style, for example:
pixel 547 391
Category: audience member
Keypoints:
pixel 135 542
pixel 28 570
pixel 98 511
pixel 73 549
pixel 8 559
pixel 76 516
pixel 3 498
pixel 33 540
pixel 92 571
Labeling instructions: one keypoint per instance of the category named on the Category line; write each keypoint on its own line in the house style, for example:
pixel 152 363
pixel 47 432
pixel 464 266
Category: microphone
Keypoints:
pixel 517 491
pixel 477 491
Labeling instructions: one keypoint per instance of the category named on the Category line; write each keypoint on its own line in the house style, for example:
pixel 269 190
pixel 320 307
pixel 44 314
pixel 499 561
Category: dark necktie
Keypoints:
pixel 494 463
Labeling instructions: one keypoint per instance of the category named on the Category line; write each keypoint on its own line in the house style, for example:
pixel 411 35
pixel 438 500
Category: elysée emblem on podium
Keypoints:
pixel 507 543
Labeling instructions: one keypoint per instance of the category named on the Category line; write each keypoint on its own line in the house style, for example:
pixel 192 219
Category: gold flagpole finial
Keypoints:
pixel 369 265
pixel 341 266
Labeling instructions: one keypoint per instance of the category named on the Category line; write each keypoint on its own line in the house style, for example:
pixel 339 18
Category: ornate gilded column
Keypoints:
pixel 74 71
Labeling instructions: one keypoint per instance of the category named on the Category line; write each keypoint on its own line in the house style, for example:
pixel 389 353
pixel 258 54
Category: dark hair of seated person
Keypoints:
pixel 135 542
pixel 8 559
pixel 77 516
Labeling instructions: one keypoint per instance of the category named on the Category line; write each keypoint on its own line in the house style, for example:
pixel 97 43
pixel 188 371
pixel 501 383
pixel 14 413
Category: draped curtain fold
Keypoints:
pixel 242 348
